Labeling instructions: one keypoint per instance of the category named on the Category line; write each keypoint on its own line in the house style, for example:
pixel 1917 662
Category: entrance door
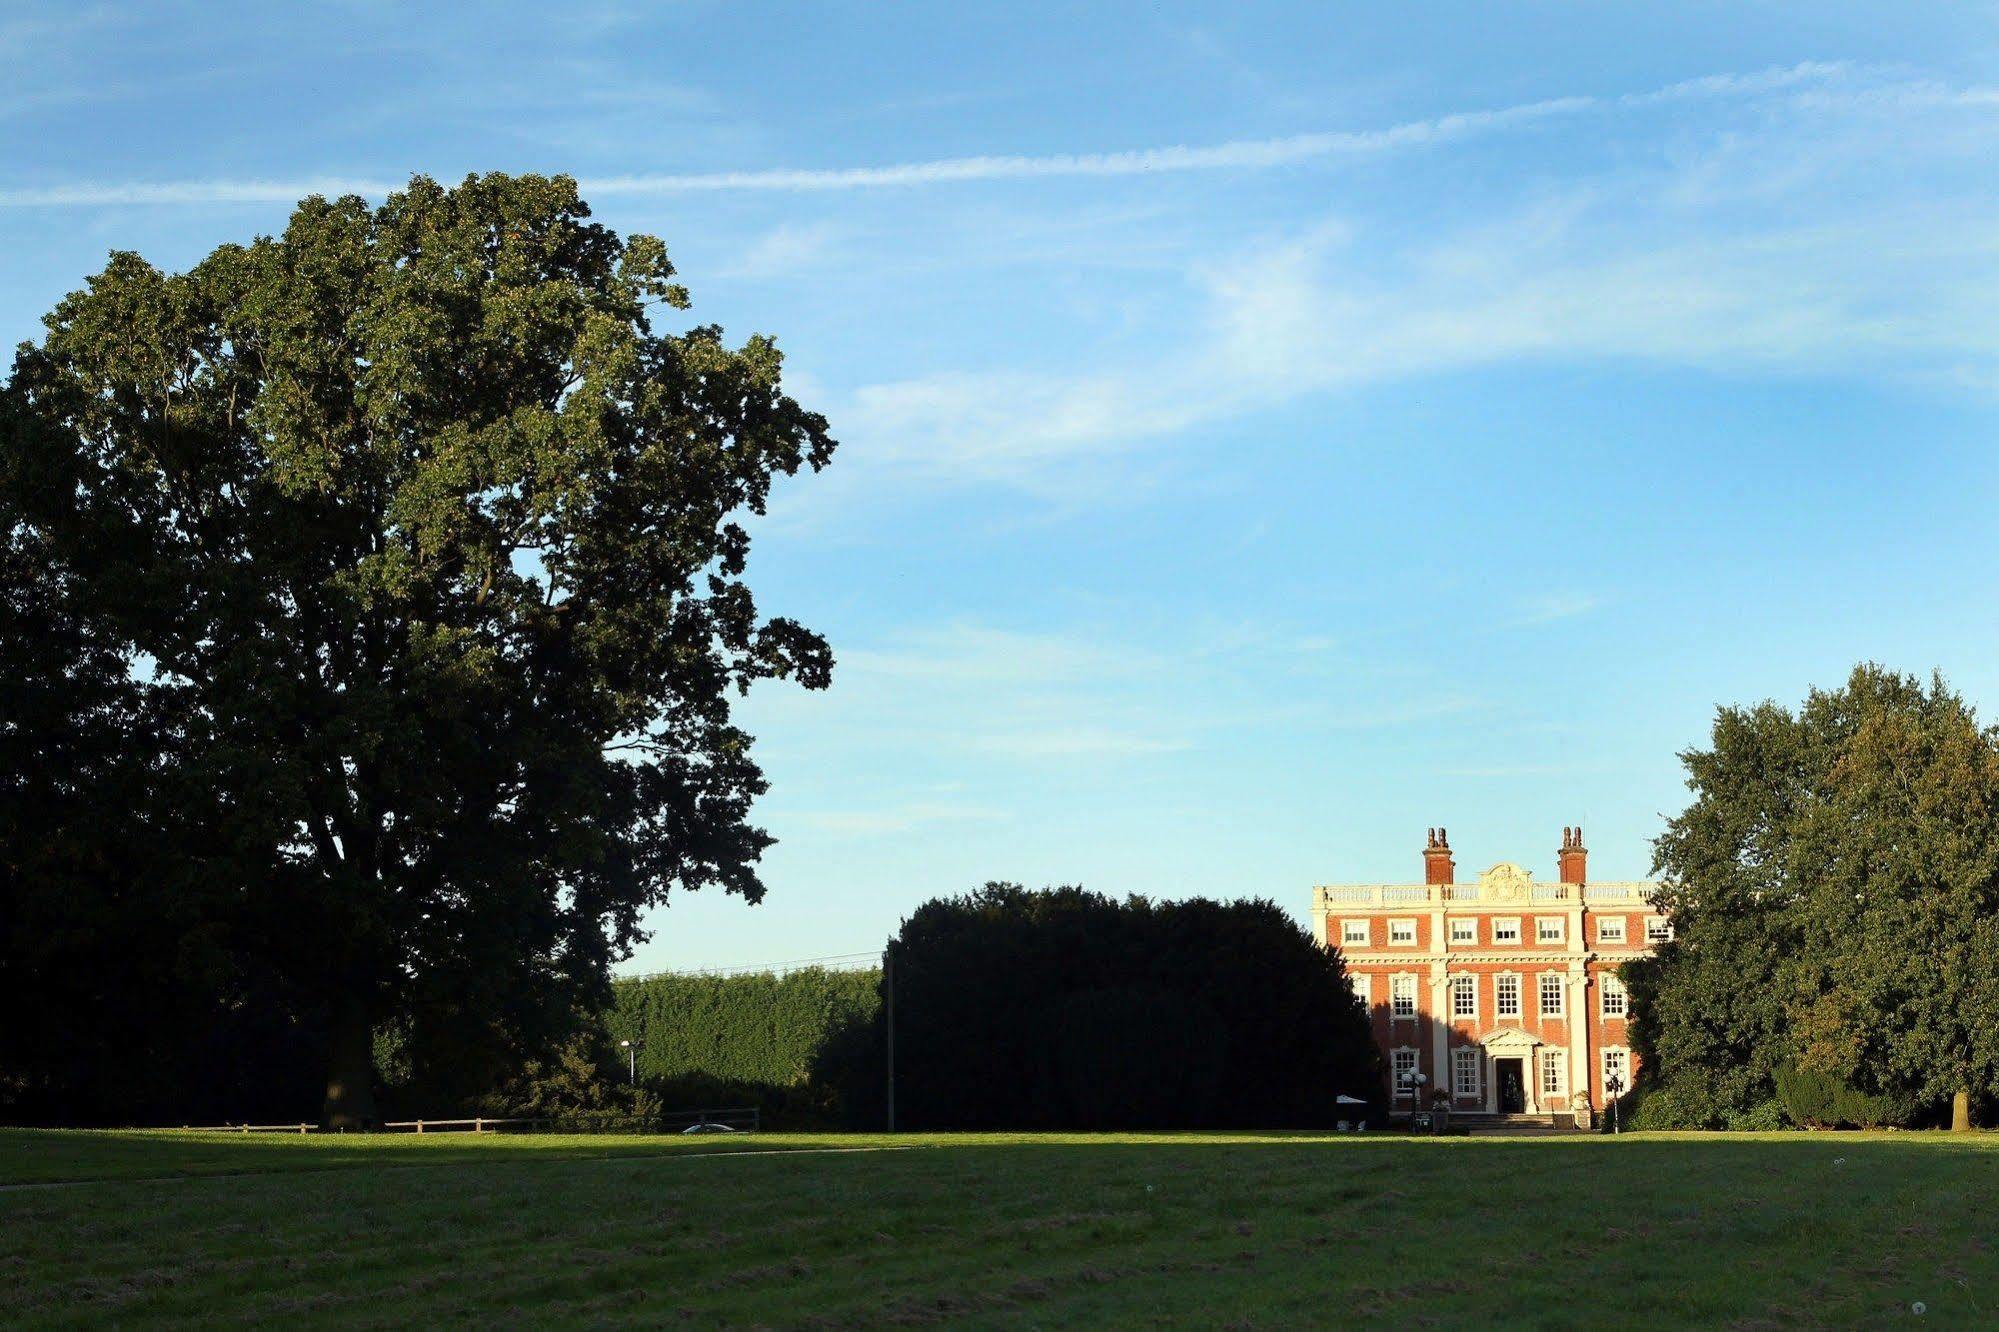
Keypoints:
pixel 1512 1094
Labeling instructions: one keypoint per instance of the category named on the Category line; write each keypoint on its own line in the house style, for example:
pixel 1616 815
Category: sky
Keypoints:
pixel 1267 431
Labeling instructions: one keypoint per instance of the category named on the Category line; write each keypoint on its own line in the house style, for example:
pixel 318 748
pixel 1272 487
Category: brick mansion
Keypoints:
pixel 1503 993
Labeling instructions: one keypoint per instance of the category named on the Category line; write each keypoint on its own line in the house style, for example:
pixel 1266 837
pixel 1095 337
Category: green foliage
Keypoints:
pixel 759 1029
pixel 1066 1009
pixel 374 596
pixel 1821 1100
pixel 1835 892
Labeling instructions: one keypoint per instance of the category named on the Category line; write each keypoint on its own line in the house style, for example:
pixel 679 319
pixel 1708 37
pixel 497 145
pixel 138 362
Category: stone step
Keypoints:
pixel 1516 1124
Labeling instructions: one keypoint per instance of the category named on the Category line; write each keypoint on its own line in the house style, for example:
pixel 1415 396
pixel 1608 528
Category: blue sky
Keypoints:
pixel 1267 431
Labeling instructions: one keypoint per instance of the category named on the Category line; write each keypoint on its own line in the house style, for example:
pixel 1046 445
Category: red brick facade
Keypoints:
pixel 1504 992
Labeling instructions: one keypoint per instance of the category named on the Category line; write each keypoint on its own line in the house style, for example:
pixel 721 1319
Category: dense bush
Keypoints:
pixel 1067 1009
pixel 1819 1100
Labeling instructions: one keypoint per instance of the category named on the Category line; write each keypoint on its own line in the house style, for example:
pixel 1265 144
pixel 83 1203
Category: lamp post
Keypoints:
pixel 1613 1085
pixel 1414 1082
pixel 632 1059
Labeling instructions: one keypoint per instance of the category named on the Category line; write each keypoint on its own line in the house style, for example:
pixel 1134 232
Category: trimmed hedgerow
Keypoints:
pixel 762 1028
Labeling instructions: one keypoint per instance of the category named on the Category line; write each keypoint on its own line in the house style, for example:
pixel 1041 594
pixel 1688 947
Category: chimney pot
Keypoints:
pixel 1438 867
pixel 1573 858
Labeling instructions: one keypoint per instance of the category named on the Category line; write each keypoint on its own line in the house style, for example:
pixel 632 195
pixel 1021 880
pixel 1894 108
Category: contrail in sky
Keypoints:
pixel 1243 154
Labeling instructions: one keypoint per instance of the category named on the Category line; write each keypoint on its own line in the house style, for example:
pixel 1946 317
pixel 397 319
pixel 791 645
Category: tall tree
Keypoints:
pixel 420 546
pixel 1835 890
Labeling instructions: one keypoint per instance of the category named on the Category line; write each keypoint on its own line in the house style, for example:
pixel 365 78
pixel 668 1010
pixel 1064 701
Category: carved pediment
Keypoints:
pixel 1506 882
pixel 1508 1040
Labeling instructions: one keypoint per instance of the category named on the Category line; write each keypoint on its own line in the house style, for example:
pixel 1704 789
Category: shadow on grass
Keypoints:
pixel 57 1156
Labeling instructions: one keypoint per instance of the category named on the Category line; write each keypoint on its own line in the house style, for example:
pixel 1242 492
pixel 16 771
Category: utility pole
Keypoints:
pixel 888 986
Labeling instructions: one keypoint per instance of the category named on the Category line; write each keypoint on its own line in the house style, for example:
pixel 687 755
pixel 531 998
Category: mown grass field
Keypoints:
pixel 1041 1231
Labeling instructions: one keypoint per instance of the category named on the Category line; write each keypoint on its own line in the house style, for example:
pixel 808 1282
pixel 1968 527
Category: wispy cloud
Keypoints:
pixel 1555 606
pixel 787 248
pixel 1702 262
pixel 1237 155
pixel 894 818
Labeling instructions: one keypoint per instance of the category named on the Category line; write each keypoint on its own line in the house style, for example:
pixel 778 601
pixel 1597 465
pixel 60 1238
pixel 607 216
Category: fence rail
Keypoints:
pixel 734 1119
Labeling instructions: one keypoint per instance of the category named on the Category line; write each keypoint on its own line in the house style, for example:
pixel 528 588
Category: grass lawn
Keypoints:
pixel 1050 1230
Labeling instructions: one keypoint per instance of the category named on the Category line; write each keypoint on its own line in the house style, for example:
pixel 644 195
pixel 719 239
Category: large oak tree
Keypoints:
pixel 417 545
pixel 1835 891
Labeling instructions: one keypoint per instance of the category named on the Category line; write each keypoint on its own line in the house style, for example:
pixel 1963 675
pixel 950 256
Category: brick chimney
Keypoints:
pixel 1573 857
pixel 1438 867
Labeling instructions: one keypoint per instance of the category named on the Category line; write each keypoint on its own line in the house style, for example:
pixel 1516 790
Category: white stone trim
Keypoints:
pixel 1415 1010
pixel 1395 1090
pixel 1505 922
pixel 1560 981
pixel 1612 983
pixel 1603 1061
pixel 1347 924
pixel 1476 1064
pixel 1556 1058
pixel 1451 994
pixel 1395 922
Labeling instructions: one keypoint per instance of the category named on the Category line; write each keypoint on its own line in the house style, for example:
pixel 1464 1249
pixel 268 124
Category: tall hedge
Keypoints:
pixel 1066 1009
pixel 761 1028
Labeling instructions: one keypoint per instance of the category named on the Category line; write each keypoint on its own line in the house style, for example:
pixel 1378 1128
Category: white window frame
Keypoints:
pixel 1363 988
pixel 1395 1063
pixel 1604 926
pixel 1608 984
pixel 1349 928
pixel 1398 923
pixel 1499 995
pixel 1560 984
pixel 1658 930
pixel 1470 982
pixel 1622 1056
pixel 1550 929
pixel 1502 926
pixel 1557 1062
pixel 1464 929
pixel 1396 985
pixel 1461 1085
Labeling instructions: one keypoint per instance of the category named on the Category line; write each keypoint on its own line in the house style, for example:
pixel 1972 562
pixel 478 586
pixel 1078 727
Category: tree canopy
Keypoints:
pixel 1066 1009
pixel 375 598
pixel 1834 887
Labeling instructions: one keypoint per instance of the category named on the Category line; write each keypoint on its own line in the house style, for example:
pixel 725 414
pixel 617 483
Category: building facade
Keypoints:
pixel 1504 992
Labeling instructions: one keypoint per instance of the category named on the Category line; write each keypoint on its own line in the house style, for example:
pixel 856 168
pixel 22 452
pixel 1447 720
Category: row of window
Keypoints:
pixel 1505 930
pixel 1468 1064
pixel 1613 1000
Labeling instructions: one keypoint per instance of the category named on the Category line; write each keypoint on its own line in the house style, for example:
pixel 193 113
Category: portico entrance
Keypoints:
pixel 1509 1062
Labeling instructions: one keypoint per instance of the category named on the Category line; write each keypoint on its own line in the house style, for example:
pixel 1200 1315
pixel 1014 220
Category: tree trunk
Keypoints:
pixel 1960 1112
pixel 350 1077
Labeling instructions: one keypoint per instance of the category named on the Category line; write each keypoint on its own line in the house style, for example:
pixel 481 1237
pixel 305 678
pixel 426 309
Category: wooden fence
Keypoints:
pixel 738 1119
